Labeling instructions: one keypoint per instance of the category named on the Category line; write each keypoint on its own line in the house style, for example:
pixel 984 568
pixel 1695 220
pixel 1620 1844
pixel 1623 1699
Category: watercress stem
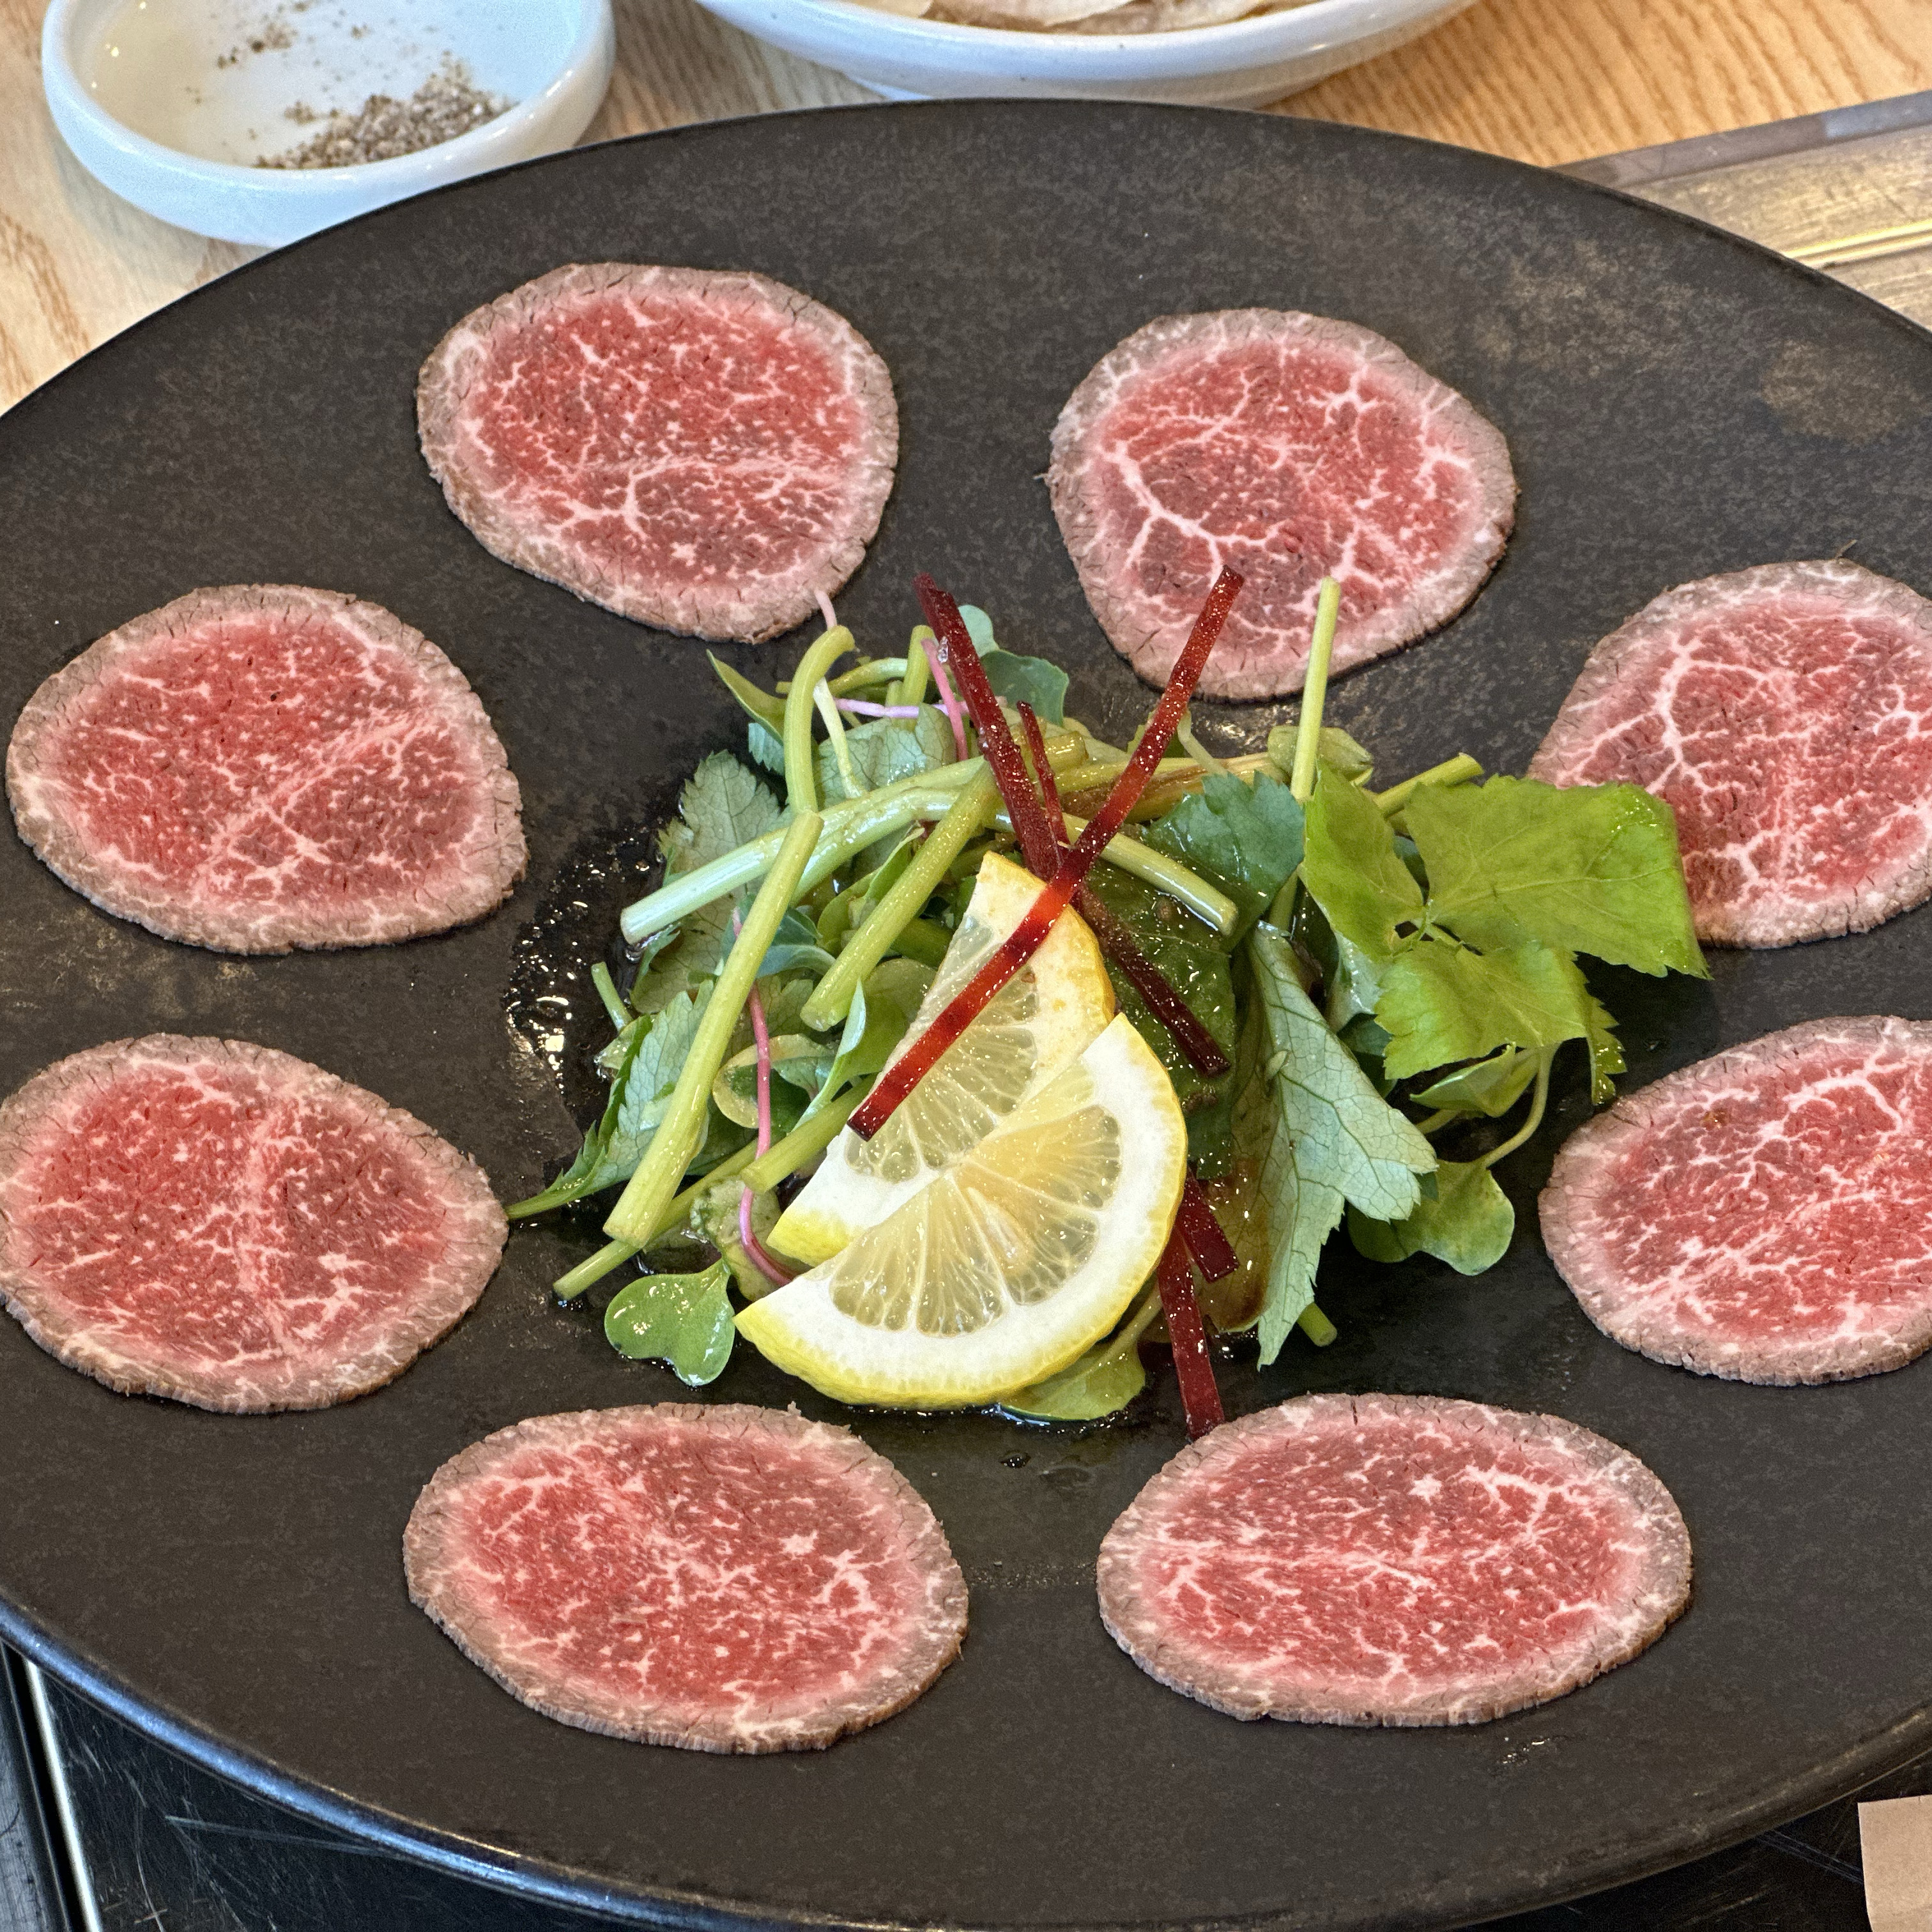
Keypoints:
pixel 860 677
pixel 621 1016
pixel 615 1254
pixel 801 774
pixel 965 818
pixel 1316 1326
pixel 649 1191
pixel 835 730
pixel 1452 771
pixel 1314 690
pixel 1537 1101
pixel 785 1157
pixel 1157 870
pixel 911 688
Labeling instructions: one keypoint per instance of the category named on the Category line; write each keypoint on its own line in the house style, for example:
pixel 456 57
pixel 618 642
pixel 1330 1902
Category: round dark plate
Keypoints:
pixel 1677 402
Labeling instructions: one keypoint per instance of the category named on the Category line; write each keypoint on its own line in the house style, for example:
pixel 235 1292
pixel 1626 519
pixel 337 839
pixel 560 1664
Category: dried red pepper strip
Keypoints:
pixel 1116 939
pixel 1197 1225
pixel 1026 938
pixel 1031 827
pixel 1192 1364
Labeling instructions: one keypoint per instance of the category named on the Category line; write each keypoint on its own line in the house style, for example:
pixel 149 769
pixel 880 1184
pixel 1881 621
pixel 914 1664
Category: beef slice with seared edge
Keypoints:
pixel 233 1228
pixel 722 1579
pixel 1764 1215
pixel 1784 713
pixel 704 451
pixel 1289 447
pixel 1370 1560
pixel 266 766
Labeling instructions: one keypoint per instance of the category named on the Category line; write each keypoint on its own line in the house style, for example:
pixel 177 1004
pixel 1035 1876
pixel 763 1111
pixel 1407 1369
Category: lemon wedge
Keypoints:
pixel 997 1273
pixel 1039 1021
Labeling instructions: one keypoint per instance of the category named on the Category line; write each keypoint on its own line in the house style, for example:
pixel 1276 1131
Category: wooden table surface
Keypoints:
pixel 1542 80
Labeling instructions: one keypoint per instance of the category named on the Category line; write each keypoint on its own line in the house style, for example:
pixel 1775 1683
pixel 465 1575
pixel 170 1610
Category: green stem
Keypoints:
pixel 1316 1326
pixel 1452 771
pixel 621 1016
pixel 835 730
pixel 925 941
pixel 1138 1323
pixel 1184 731
pixel 1156 869
pixel 849 826
pixel 1314 690
pixel 615 1254
pixel 873 670
pixel 801 776
pixel 911 688
pixel 1536 1105
pixel 965 818
pixel 1437 1121
pixel 783 1158
pixel 649 1191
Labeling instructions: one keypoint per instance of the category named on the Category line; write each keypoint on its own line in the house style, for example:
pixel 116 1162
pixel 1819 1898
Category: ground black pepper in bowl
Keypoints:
pixel 447 104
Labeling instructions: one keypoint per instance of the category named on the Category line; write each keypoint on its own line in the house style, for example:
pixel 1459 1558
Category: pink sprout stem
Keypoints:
pixel 825 610
pixel 773 1270
pixel 936 666
pixel 864 708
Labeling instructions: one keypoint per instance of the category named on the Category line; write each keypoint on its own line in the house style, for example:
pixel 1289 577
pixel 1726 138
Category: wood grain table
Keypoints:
pixel 1542 80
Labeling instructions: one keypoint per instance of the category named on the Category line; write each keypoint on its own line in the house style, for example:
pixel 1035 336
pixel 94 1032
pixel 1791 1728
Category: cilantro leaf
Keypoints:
pixel 1587 868
pixel 683 1319
pixel 1324 1135
pixel 1246 840
pixel 1353 871
pixel 1467 1223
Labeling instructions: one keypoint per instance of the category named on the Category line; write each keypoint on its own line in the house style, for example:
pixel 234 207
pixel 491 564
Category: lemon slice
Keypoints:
pixel 1041 1019
pixel 1024 1251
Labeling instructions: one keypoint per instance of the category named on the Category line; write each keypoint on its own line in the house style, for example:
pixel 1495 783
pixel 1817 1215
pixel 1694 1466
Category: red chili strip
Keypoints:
pixel 1192 1364
pixel 1038 845
pixel 1026 938
pixel 1213 1253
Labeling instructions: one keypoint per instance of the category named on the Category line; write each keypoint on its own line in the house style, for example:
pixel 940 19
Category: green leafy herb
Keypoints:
pixel 1491 1087
pixel 1353 871
pixel 1246 839
pixel 682 1319
pixel 1323 1135
pixel 1332 747
pixel 884 750
pixel 1467 1223
pixel 1587 868
pixel 765 746
pixel 764 707
pixel 1019 680
pixel 796 949
pixel 1101 1382
pixel 714 1218
pixel 1442 1002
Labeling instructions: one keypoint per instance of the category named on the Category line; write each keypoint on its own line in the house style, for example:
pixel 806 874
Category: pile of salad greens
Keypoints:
pixel 1380 968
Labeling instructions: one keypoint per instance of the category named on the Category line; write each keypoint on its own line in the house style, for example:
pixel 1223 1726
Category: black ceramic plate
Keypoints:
pixel 1677 402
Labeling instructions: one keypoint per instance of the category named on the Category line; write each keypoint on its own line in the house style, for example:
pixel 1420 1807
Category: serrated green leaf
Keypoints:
pixel 1246 839
pixel 1467 1223
pixel 1323 1134
pixel 1018 679
pixel 683 1319
pixel 1442 1002
pixel 1584 868
pixel 765 746
pixel 1352 871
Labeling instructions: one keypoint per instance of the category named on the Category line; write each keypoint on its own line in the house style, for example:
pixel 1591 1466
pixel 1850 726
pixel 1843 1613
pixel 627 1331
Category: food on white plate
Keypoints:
pixel 265 767
pixel 1763 1214
pixel 1289 447
pixel 723 1578
pixel 1785 712
pixel 1046 1015
pixel 1389 1559
pixel 704 450
pixel 1025 1251
pixel 233 1228
pixel 1345 1002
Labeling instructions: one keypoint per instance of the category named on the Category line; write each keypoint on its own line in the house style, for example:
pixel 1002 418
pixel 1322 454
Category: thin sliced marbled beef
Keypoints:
pixel 231 1227
pixel 264 767
pixel 1785 715
pixel 1764 1215
pixel 1381 1559
pixel 701 450
pixel 1291 447
pixel 726 1578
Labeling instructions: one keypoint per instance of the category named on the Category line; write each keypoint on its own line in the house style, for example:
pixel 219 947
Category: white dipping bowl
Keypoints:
pixel 171 131
pixel 1244 64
